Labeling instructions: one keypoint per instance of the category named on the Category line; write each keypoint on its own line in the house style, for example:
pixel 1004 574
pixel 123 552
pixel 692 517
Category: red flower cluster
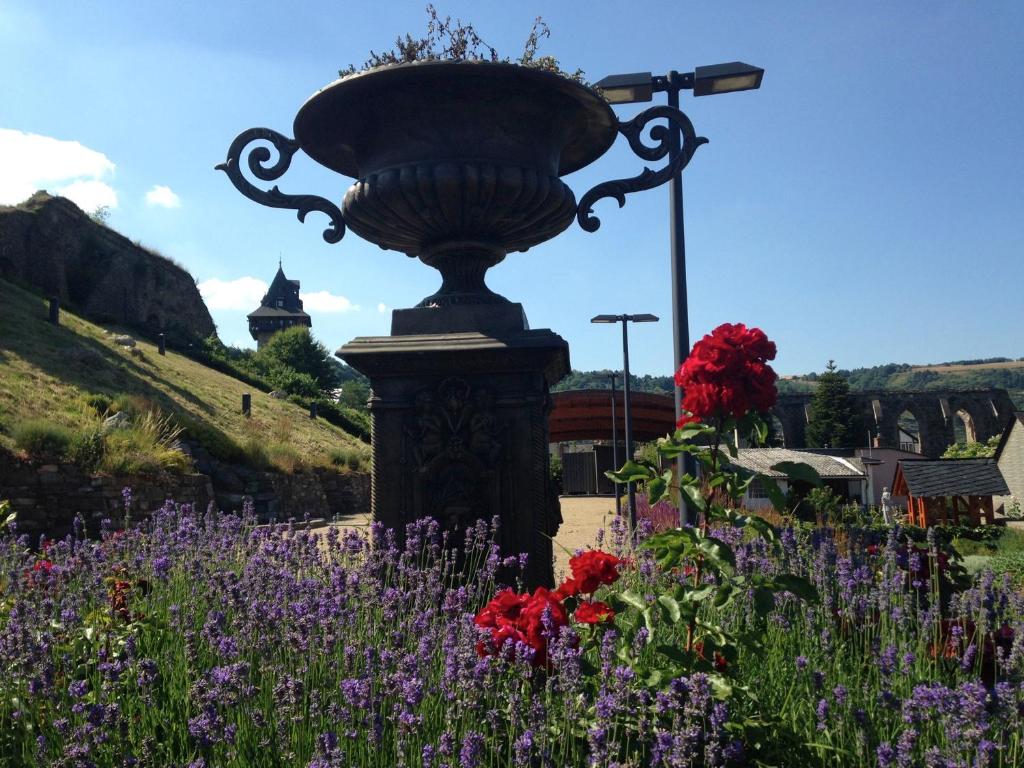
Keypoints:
pixel 726 374
pixel 520 617
pixel 956 635
pixel 38 573
pixel 593 612
pixel 590 570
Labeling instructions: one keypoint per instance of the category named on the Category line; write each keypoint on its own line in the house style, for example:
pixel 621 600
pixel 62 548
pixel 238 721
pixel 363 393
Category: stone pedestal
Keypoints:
pixel 460 424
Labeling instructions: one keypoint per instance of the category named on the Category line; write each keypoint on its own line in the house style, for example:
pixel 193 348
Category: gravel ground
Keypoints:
pixel 582 517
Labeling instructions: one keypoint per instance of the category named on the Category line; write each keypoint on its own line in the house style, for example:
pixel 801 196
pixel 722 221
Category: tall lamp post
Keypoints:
pixel 640 87
pixel 615 448
pixel 626 320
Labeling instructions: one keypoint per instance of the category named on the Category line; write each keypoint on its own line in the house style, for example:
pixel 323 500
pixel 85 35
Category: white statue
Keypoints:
pixel 887 515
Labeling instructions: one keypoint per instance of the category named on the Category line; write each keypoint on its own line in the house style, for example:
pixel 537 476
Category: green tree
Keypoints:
pixel 833 421
pixel 295 350
pixel 972 450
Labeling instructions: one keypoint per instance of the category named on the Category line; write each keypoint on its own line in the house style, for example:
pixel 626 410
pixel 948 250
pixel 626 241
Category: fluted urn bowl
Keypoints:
pixel 457 163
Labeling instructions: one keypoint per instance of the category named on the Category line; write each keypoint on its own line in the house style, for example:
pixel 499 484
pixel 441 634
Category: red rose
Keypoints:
pixel 726 374
pixel 593 612
pixel 568 588
pixel 520 618
pixel 593 568
pixel 503 610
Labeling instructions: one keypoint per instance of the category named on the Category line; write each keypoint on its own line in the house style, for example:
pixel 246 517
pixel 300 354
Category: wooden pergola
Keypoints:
pixel 586 414
pixel 941 491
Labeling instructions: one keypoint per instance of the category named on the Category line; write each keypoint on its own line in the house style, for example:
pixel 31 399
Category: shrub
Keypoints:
pixel 99 403
pixel 284 458
pixel 353 459
pixel 42 440
pixel 87 449
pixel 148 446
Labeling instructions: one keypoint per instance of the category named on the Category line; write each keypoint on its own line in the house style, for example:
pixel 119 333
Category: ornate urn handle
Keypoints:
pixel 646 179
pixel 274 197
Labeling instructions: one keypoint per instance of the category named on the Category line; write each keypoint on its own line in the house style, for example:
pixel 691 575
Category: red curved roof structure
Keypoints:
pixel 586 414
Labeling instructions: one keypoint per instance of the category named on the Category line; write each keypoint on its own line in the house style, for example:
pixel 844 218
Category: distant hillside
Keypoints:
pixel 1003 373
pixel 50 245
pixel 57 373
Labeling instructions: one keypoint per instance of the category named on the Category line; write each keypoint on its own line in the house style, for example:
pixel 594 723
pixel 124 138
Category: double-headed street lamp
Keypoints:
pixel 626 320
pixel 703 81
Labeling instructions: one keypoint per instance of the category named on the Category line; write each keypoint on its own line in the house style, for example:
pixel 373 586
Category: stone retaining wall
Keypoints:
pixel 47 498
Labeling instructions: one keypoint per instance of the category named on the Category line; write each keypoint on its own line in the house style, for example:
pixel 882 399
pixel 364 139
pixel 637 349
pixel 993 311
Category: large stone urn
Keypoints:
pixel 457 164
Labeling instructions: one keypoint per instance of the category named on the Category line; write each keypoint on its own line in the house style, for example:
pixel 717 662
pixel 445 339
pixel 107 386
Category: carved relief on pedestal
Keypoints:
pixel 456 447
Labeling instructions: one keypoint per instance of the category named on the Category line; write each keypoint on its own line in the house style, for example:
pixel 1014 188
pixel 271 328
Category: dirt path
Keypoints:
pixel 582 517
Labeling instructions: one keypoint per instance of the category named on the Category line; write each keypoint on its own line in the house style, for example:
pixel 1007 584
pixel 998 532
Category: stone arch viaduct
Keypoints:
pixel 984 412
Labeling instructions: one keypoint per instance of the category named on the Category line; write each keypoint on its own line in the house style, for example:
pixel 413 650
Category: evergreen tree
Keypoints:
pixel 833 421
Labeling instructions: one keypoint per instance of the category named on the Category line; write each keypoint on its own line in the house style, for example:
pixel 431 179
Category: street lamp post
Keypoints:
pixel 639 87
pixel 625 320
pixel 615 448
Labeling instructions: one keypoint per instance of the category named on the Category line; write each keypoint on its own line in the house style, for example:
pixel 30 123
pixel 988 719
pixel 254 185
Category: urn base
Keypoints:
pixel 460 434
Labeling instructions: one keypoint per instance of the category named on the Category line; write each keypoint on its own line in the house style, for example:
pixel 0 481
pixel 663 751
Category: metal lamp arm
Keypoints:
pixel 646 179
pixel 274 197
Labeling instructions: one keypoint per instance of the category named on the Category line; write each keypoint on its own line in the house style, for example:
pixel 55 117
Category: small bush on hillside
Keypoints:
pixel 98 403
pixel 87 449
pixel 148 446
pixel 42 440
pixel 353 459
pixel 134 405
pixel 284 458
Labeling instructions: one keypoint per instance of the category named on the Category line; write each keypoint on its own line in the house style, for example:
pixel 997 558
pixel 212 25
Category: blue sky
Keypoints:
pixel 865 205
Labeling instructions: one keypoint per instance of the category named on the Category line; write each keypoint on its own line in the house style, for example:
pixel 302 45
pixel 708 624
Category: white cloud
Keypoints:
pixel 243 294
pixel 89 195
pixel 161 196
pixel 382 307
pixel 31 162
pixel 324 301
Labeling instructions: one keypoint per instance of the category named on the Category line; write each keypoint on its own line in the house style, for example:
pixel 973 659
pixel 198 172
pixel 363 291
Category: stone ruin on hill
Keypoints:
pixel 50 245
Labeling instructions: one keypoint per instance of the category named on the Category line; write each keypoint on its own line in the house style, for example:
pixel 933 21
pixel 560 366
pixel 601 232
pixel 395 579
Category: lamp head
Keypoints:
pixel 627 89
pixel 726 78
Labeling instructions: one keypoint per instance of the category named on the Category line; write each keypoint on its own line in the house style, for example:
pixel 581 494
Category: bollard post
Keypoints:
pixel 312 410
pixel 162 344
pixel 55 310
pixel 246 404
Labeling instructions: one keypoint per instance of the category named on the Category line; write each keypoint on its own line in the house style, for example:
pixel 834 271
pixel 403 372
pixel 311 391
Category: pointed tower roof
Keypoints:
pixel 281 299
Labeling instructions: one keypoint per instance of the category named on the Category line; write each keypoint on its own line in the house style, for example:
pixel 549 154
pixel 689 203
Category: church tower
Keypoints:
pixel 280 308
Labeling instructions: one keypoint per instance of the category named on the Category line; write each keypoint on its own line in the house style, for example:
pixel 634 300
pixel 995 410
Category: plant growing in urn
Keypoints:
pixel 457 159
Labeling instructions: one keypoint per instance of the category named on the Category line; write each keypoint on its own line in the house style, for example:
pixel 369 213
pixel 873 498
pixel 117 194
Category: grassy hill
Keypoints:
pixel 1002 373
pixel 70 375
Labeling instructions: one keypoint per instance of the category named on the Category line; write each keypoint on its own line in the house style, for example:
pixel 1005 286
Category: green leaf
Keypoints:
pixel 764 600
pixel 657 488
pixel 775 494
pixel 798 585
pixel 717 550
pixel 692 430
pixel 695 497
pixel 725 593
pixel 798 470
pixel 633 599
pixel 669 607
pixel 654 678
pixel 631 472
pixel 701 593
pixel 10 519
pixel 673 652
